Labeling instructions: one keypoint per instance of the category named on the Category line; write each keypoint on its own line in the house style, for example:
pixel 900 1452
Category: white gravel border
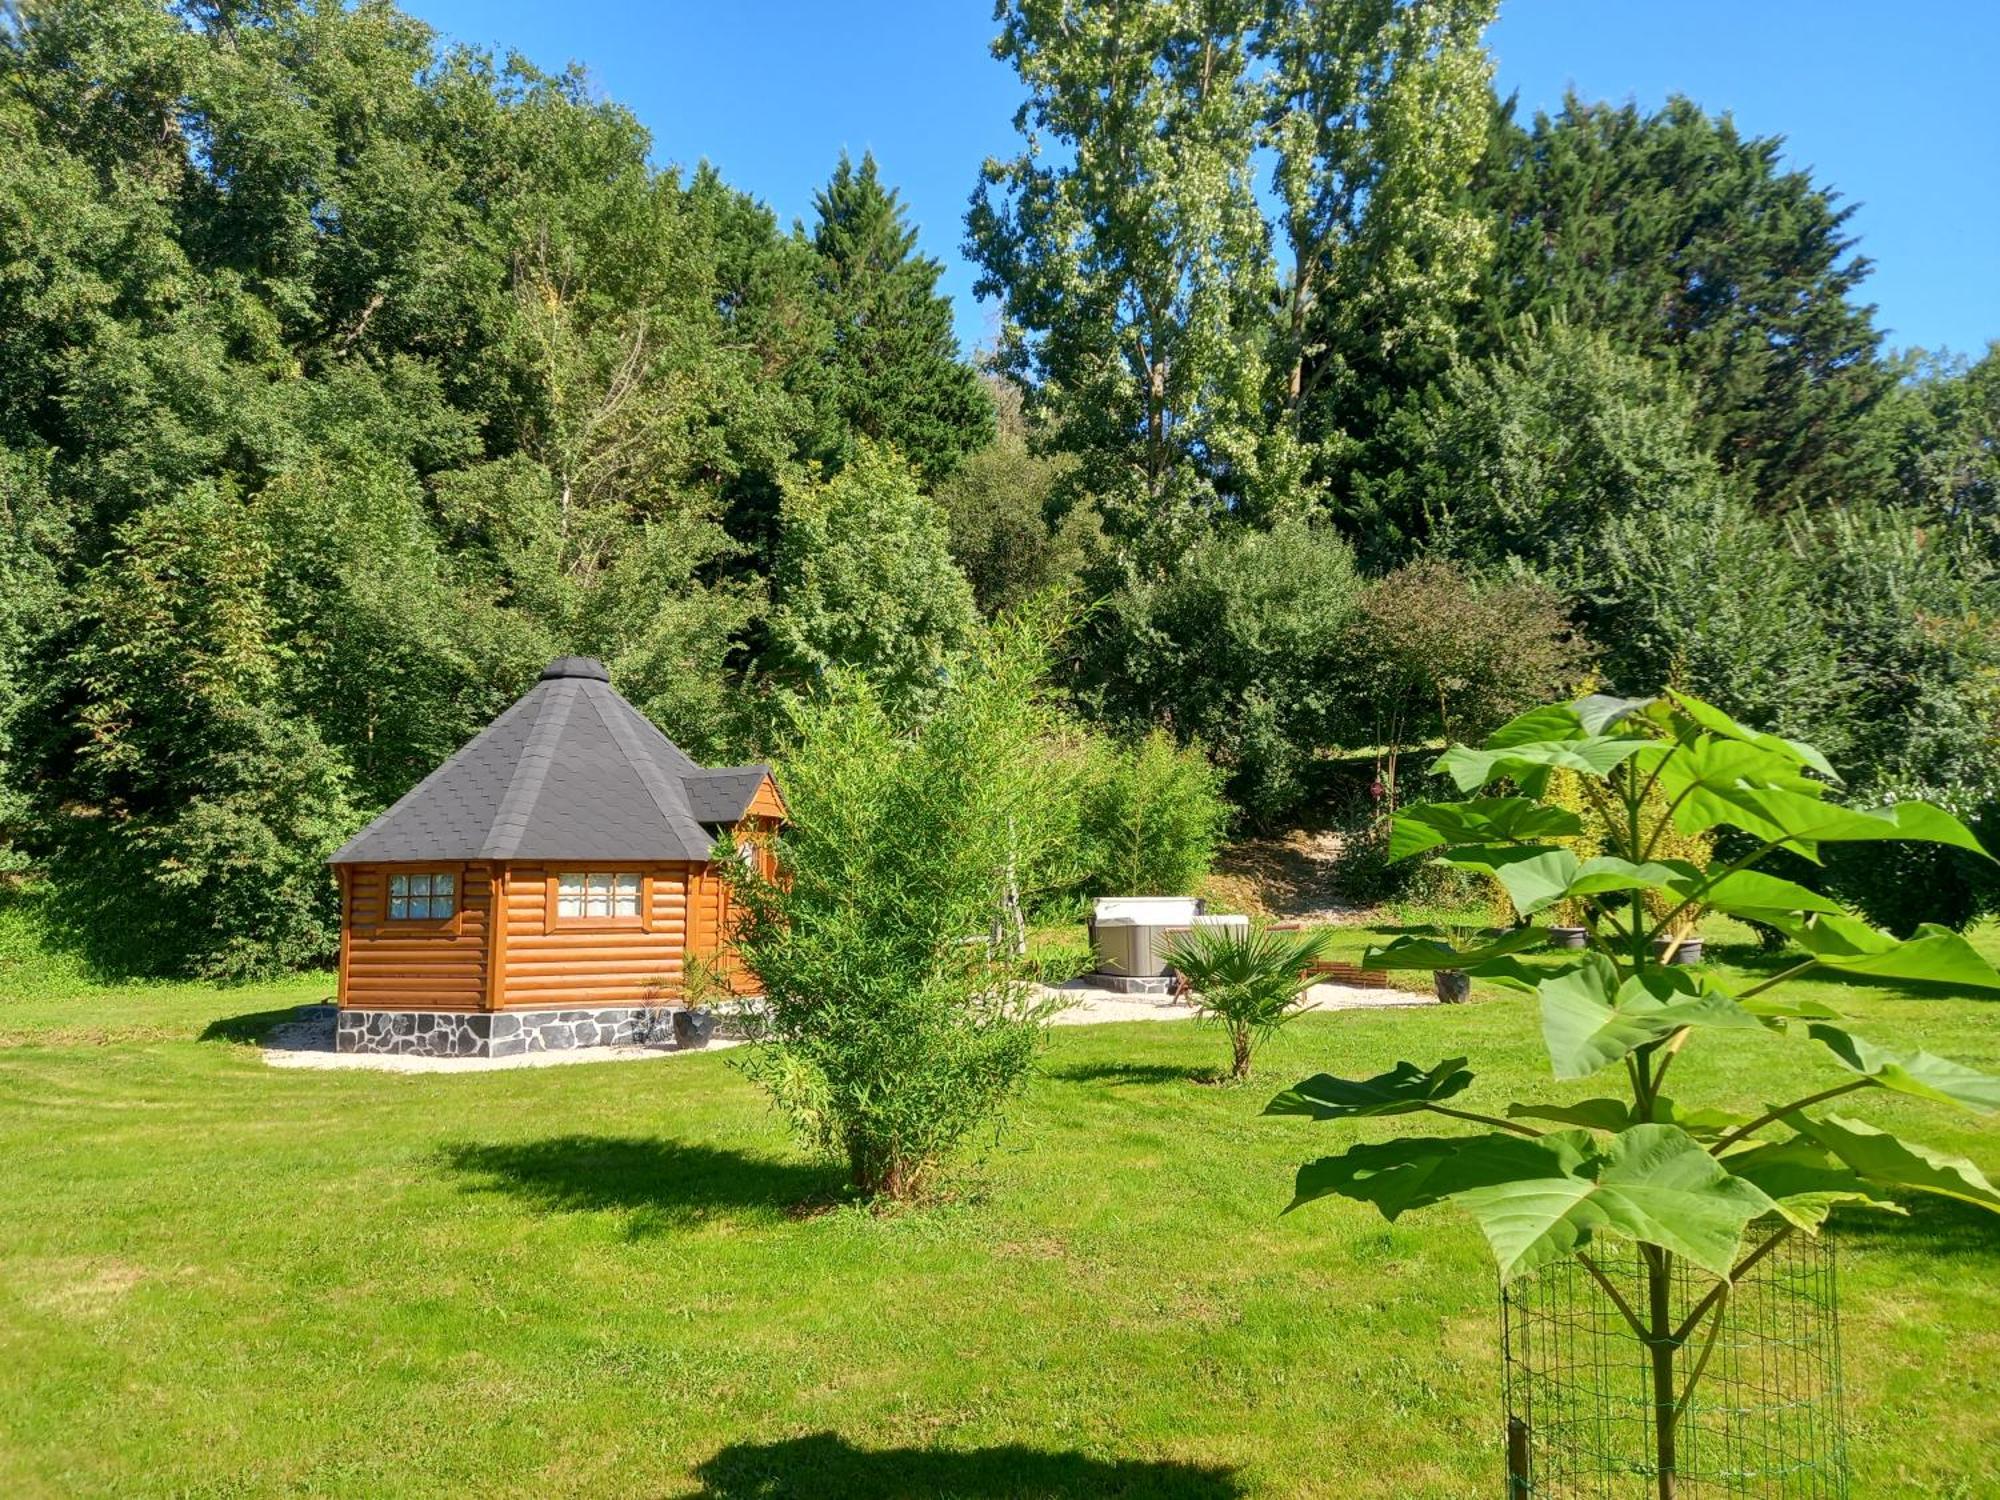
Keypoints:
pixel 309 1043
pixel 1087 1006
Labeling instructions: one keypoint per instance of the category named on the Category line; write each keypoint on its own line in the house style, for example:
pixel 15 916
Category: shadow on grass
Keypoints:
pixel 826 1466
pixel 248 1028
pixel 1114 1072
pixel 660 1182
pixel 1933 1226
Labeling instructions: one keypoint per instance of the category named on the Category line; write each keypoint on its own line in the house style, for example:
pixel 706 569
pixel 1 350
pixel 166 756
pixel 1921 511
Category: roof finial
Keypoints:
pixel 588 668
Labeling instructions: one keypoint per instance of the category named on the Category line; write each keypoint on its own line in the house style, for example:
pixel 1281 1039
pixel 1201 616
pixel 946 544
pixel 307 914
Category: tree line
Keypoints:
pixel 346 377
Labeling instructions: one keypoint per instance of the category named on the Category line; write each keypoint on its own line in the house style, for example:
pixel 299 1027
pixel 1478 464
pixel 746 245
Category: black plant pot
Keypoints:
pixel 1689 951
pixel 693 1028
pixel 1453 986
pixel 1568 937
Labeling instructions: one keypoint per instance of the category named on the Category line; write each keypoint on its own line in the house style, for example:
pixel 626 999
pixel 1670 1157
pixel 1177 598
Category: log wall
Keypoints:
pixel 414 965
pixel 544 965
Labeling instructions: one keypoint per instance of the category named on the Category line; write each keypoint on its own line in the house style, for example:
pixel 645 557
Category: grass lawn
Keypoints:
pixel 220 1278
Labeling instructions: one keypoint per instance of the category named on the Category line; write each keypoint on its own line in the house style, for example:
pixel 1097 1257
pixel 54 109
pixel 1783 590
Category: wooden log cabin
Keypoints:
pixel 546 886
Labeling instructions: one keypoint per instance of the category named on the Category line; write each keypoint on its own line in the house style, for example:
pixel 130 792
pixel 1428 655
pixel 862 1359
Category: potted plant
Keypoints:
pixel 1703 1193
pixel 703 988
pixel 1446 941
pixel 1680 943
pixel 1569 930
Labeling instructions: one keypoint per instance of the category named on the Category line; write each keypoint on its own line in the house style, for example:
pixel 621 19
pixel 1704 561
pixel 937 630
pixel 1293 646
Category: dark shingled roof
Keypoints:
pixel 571 771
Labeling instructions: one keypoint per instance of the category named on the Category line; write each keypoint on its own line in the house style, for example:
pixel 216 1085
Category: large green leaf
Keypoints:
pixel 1886 1161
pixel 1605 873
pixel 1802 821
pixel 1753 894
pixel 1610 1115
pixel 1590 1020
pixel 1715 721
pixel 1415 952
pixel 1652 1183
pixel 1418 1171
pixel 1401 1090
pixel 1600 711
pixel 1481 820
pixel 1534 878
pixel 1709 781
pixel 1614 1115
pixel 1551 721
pixel 1511 973
pixel 1920 1073
pixel 1935 954
pixel 1593 755
pixel 1805 1180
pixel 1775 1012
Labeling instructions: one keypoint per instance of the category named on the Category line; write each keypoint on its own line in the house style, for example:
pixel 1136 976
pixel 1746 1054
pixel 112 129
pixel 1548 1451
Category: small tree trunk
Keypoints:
pixel 1660 1321
pixel 1239 1039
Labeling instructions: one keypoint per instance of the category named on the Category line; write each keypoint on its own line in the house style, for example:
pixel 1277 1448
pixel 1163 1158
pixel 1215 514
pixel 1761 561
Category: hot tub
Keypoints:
pixel 1131 936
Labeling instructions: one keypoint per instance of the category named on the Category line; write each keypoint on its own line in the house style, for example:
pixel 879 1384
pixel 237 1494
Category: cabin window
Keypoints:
pixel 597 894
pixel 430 897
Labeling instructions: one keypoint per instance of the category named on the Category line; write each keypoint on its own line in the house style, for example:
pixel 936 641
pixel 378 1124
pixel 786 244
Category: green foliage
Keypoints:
pixel 1432 654
pixel 1248 980
pixel 893 1031
pixel 1913 616
pixel 1240 649
pixel 1682 1182
pixel 865 582
pixel 999 508
pixel 197 816
pixel 1127 248
pixel 1149 819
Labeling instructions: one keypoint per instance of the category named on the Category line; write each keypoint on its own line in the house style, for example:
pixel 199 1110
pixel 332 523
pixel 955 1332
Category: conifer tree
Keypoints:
pixel 1685 239
pixel 898 378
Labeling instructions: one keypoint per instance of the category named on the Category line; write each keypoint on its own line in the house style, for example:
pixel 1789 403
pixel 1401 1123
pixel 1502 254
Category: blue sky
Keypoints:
pixel 1893 105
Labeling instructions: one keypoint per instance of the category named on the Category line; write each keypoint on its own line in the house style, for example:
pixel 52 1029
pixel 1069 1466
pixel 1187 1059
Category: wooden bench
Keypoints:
pixel 1332 971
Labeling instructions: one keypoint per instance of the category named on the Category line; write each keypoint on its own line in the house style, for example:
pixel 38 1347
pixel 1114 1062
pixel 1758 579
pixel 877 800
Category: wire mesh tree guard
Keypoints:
pixel 1761 1416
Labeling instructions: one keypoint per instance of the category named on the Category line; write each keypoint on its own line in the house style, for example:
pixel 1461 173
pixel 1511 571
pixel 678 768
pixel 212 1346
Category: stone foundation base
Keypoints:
pixel 1132 984
pixel 505 1033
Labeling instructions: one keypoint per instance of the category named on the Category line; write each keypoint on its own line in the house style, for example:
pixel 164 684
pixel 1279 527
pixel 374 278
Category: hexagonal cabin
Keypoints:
pixel 544 887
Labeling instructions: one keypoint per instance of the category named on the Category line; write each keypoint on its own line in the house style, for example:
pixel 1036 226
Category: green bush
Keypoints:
pixel 1239 649
pixel 892 1029
pixel 1150 816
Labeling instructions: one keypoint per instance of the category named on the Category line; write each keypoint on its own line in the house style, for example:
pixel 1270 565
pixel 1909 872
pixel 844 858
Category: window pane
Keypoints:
pixel 568 905
pixel 598 905
pixel 627 904
pixel 420 885
pixel 441 885
pixel 399 908
pixel 399 885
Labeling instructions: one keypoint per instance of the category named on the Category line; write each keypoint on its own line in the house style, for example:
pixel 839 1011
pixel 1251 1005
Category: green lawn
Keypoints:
pixel 219 1278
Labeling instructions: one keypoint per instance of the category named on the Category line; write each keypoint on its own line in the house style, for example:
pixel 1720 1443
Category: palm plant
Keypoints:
pixel 1251 979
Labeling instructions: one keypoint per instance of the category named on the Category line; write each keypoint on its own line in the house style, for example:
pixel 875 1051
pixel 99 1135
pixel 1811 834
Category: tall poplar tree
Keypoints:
pixel 1129 253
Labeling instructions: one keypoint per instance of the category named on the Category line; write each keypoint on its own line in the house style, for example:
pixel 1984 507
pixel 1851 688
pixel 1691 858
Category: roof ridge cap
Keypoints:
pixel 531 769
